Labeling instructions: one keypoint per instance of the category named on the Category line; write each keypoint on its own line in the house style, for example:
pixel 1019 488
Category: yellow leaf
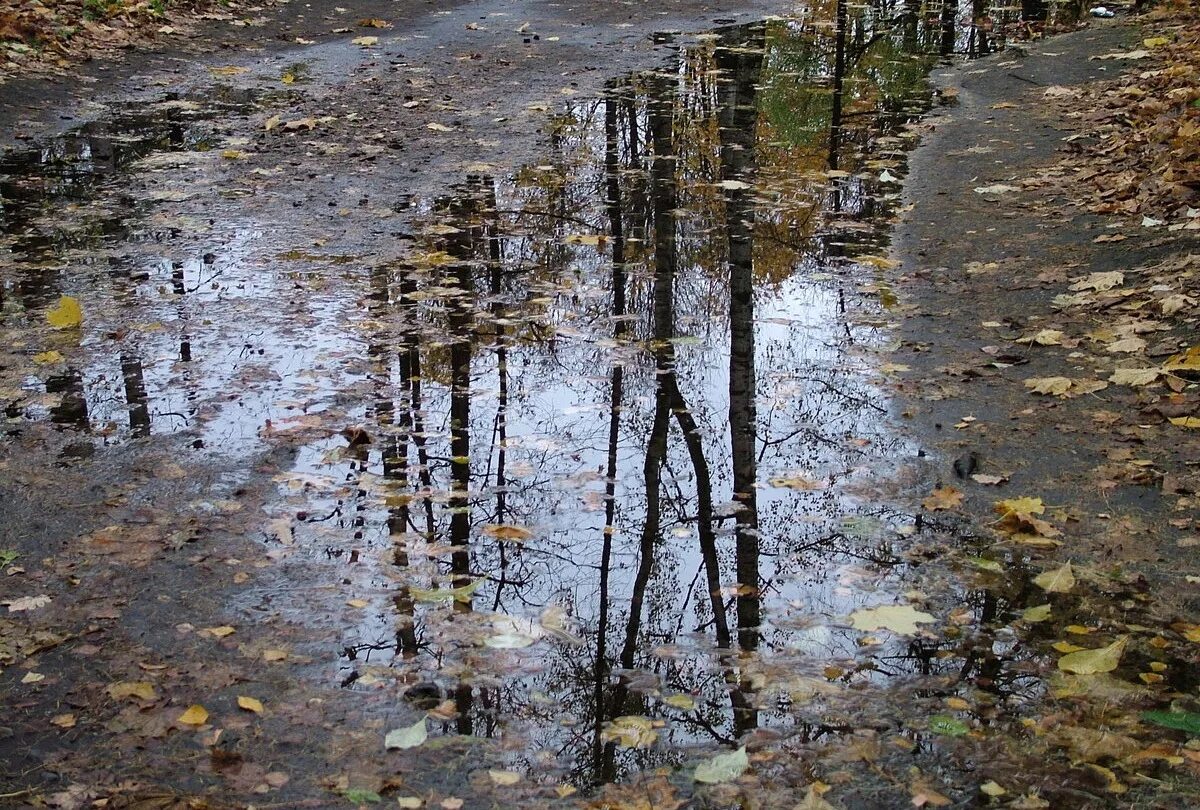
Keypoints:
pixel 1056 386
pixel 878 261
pixel 67 315
pixel 504 778
pixel 233 154
pixel 1187 361
pixel 196 715
pixel 1036 614
pixel 366 42
pixel 513 534
pixel 942 499
pixel 684 702
pixel 1067 647
pixel 227 71
pixel 1091 662
pixel 48 358
pixel 1060 580
pixel 250 704
pixel 218 632
pixel 902 619
pixel 1186 421
pixel 274 655
pixel 63 720
pixel 1019 506
pixel 1156 42
pixel 358 603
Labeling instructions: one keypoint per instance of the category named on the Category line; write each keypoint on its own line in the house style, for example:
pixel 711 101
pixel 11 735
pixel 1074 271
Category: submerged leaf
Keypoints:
pixel 1090 662
pixel 1059 580
pixel 1182 721
pixel 947 725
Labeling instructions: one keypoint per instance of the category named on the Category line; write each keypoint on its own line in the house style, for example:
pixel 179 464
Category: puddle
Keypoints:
pixel 601 465
pixel 610 387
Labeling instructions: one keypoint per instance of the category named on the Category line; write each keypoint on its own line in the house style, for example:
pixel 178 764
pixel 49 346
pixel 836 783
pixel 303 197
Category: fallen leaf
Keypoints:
pixel 1059 580
pixel 1181 721
pixel 1055 386
pixel 1036 614
pixel 942 499
pixel 723 767
pixel 1099 281
pixel 196 715
pixel 1090 662
pixel 250 704
pixel 1192 422
pixel 28 603
pixel 902 619
pixel 406 736
pixel 66 315
pixel 511 534
pixel 630 731
pixel 948 726
pixel 504 778
pixel 366 42
pixel 997 188
pixel 1134 376
pixel 48 358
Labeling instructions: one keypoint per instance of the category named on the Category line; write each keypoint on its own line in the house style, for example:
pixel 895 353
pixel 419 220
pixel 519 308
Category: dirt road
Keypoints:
pixel 496 405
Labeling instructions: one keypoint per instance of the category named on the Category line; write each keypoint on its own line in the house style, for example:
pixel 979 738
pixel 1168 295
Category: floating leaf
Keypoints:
pixel 723 767
pixel 67 315
pixel 460 594
pixel 684 702
pixel 250 704
pixel 948 726
pixel 511 534
pixel 1060 580
pixel 630 731
pixel 407 736
pixel 1090 662
pixel 196 715
pixel 942 499
pixel 1182 721
pixel 902 619
pixel 366 42
pixel 47 358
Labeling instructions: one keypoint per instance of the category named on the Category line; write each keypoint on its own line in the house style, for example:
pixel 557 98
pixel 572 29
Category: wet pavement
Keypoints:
pixel 585 449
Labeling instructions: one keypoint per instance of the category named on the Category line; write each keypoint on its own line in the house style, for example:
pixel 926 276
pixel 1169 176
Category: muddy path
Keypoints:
pixel 498 411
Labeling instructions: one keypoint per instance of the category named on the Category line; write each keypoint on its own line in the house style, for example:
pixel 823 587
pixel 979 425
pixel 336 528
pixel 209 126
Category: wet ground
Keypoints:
pixel 530 387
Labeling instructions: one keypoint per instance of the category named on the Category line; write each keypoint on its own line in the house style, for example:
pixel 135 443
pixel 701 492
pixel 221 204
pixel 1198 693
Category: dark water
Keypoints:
pixel 607 443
